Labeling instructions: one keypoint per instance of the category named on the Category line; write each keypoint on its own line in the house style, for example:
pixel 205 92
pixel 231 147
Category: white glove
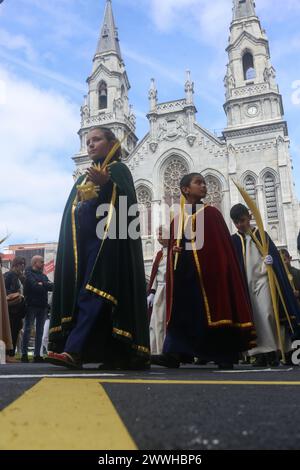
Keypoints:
pixel 268 260
pixel 150 300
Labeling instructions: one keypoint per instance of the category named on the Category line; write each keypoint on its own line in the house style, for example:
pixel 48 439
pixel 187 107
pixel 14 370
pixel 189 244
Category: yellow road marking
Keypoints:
pixel 58 414
pixel 77 414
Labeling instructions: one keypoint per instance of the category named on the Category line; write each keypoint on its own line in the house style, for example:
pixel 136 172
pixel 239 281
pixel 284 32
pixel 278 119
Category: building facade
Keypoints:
pixel 252 150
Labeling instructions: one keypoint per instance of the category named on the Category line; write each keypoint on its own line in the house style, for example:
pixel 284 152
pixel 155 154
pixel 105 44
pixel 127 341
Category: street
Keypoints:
pixel 192 408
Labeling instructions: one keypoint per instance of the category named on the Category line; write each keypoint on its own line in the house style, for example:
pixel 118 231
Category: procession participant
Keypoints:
pixel 254 265
pixel 293 273
pixel 99 307
pixel 208 311
pixel 157 295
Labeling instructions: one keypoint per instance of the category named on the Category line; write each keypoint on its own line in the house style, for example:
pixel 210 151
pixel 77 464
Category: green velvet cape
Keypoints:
pixel 118 274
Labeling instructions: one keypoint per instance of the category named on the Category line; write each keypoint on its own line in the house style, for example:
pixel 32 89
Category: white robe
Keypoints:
pixel 260 295
pixel 158 317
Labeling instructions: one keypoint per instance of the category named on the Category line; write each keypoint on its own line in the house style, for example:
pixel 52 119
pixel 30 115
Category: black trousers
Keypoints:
pixel 16 321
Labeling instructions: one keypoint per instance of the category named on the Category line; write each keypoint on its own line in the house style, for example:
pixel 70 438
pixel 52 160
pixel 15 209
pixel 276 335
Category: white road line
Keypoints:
pixel 250 371
pixel 41 376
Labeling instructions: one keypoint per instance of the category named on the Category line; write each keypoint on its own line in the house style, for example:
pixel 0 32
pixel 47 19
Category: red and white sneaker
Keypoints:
pixel 64 359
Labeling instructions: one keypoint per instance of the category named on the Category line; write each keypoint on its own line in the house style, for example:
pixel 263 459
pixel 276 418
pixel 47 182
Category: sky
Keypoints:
pixel 46 51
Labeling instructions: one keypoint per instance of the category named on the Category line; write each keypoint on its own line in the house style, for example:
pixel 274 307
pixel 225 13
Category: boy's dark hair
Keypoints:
pixel 238 211
pixel 187 179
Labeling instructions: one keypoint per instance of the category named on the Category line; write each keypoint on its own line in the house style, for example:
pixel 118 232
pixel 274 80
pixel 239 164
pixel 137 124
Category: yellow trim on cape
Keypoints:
pixel 206 304
pixel 74 234
pixel 203 206
pixel 55 329
pixel 289 275
pixel 128 335
pixel 122 333
pixel 142 349
pixel 89 287
pixel 180 229
pixel 101 293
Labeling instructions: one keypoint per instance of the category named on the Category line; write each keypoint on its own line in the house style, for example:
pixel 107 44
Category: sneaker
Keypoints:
pixel 260 361
pixel 64 359
pixel 273 359
pixel 24 358
pixel 38 359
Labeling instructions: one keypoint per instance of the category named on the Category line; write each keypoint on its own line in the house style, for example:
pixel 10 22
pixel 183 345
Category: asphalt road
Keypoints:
pixel 192 408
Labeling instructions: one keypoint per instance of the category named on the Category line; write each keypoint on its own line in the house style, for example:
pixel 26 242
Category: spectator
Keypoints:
pixel 37 286
pixel 5 334
pixel 14 280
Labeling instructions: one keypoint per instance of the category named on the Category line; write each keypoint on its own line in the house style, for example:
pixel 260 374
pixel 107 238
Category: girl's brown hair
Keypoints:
pixel 110 137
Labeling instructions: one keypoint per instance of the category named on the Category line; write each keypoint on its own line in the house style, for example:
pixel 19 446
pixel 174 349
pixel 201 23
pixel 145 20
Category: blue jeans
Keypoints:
pixel 39 315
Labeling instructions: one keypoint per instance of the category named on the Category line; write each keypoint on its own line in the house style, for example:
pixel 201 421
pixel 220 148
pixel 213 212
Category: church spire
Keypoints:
pixel 107 103
pixel 243 9
pixel 252 93
pixel 109 40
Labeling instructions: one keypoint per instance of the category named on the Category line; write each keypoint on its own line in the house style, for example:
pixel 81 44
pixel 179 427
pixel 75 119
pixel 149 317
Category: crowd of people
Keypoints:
pixel 232 298
pixel 24 308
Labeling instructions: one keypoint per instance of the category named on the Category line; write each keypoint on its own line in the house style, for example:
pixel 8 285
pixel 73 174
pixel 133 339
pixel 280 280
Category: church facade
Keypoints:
pixel 253 149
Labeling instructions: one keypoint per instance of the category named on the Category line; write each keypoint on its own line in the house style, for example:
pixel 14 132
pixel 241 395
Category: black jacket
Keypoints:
pixel 36 295
pixel 12 282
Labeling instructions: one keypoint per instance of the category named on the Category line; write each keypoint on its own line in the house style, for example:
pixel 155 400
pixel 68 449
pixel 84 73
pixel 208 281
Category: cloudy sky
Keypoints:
pixel 46 50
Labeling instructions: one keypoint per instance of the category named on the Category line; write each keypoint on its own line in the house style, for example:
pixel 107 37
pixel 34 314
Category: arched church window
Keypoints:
pixel 271 197
pixel 144 198
pixel 250 186
pixel 102 95
pixel 174 172
pixel 248 66
pixel 214 195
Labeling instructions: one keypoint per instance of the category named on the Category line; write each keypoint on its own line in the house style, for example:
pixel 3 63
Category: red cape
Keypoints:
pixel 220 280
pixel 155 267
